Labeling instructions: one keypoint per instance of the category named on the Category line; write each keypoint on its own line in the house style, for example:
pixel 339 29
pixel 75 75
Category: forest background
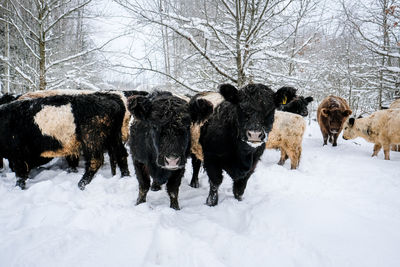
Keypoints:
pixel 347 48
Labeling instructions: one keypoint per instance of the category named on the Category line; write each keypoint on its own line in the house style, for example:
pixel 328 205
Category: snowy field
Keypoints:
pixel 340 208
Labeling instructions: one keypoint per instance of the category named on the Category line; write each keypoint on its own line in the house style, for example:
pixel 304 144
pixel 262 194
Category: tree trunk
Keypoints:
pixel 7 54
pixel 42 63
pixel 42 54
pixel 241 79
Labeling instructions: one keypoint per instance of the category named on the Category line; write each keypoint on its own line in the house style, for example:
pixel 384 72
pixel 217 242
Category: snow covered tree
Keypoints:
pixel 48 44
pixel 209 42
pixel 376 24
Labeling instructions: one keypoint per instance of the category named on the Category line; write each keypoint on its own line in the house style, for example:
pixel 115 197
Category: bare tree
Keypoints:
pixel 376 27
pixel 44 35
pixel 225 40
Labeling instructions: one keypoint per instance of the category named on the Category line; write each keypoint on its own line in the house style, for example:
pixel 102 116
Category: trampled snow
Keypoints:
pixel 340 208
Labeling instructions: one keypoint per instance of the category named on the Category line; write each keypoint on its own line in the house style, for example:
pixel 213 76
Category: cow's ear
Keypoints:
pixel 325 112
pixel 200 109
pixel 309 99
pixel 229 92
pixel 347 112
pixel 139 106
pixel 351 122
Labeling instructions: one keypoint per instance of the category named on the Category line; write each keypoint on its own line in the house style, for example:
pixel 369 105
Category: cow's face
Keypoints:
pixel 168 123
pixel 348 129
pixel 298 105
pixel 335 118
pixel 255 111
pixel 284 95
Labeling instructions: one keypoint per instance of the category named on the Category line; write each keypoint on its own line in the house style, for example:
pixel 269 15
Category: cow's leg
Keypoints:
pixel 73 162
pixel 335 136
pixel 325 137
pixel 196 163
pixel 1 163
pixel 92 164
pixel 386 151
pixel 173 188
pixel 377 147
pixel 143 177
pixel 113 163
pixel 294 156
pixel 118 154
pixel 330 138
pixel 239 186
pixel 283 158
pixel 214 172
pixel 21 169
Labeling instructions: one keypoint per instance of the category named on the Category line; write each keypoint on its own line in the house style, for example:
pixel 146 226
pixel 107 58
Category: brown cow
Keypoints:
pixel 332 113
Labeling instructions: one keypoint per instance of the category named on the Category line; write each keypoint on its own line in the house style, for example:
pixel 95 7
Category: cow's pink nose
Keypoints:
pixel 255 135
pixel 172 161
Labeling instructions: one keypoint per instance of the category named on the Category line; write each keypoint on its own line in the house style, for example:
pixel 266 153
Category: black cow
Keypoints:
pixel 73 160
pixel 32 131
pixel 233 138
pixel 298 105
pixel 160 140
pixel 285 99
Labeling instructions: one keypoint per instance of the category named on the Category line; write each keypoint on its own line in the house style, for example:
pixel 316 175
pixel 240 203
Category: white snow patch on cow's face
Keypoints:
pixel 58 122
pixel 254 144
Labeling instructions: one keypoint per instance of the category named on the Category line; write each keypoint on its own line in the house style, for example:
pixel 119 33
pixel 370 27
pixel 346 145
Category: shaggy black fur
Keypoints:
pixel 284 95
pixel 298 105
pixel 7 98
pixel 160 142
pixel 98 120
pixel 129 93
pixel 229 137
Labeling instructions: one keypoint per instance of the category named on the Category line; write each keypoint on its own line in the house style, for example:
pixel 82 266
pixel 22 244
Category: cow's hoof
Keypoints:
pixel 125 173
pixel 194 184
pixel 155 187
pixel 140 201
pixel 239 198
pixel 21 184
pixel 72 170
pixel 212 200
pixel 82 184
pixel 175 206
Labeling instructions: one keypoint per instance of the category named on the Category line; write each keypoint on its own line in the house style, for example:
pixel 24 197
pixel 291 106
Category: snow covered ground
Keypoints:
pixel 340 208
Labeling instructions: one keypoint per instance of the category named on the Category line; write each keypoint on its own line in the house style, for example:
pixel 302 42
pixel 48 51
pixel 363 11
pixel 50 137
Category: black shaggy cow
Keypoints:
pixel 31 131
pixel 73 160
pixel 160 140
pixel 233 138
pixel 298 105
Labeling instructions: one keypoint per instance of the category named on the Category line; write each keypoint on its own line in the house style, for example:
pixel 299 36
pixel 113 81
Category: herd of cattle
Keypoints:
pixel 226 130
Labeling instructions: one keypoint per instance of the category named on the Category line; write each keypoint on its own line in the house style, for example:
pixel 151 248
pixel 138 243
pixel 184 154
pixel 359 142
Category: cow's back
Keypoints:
pixel 395 104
